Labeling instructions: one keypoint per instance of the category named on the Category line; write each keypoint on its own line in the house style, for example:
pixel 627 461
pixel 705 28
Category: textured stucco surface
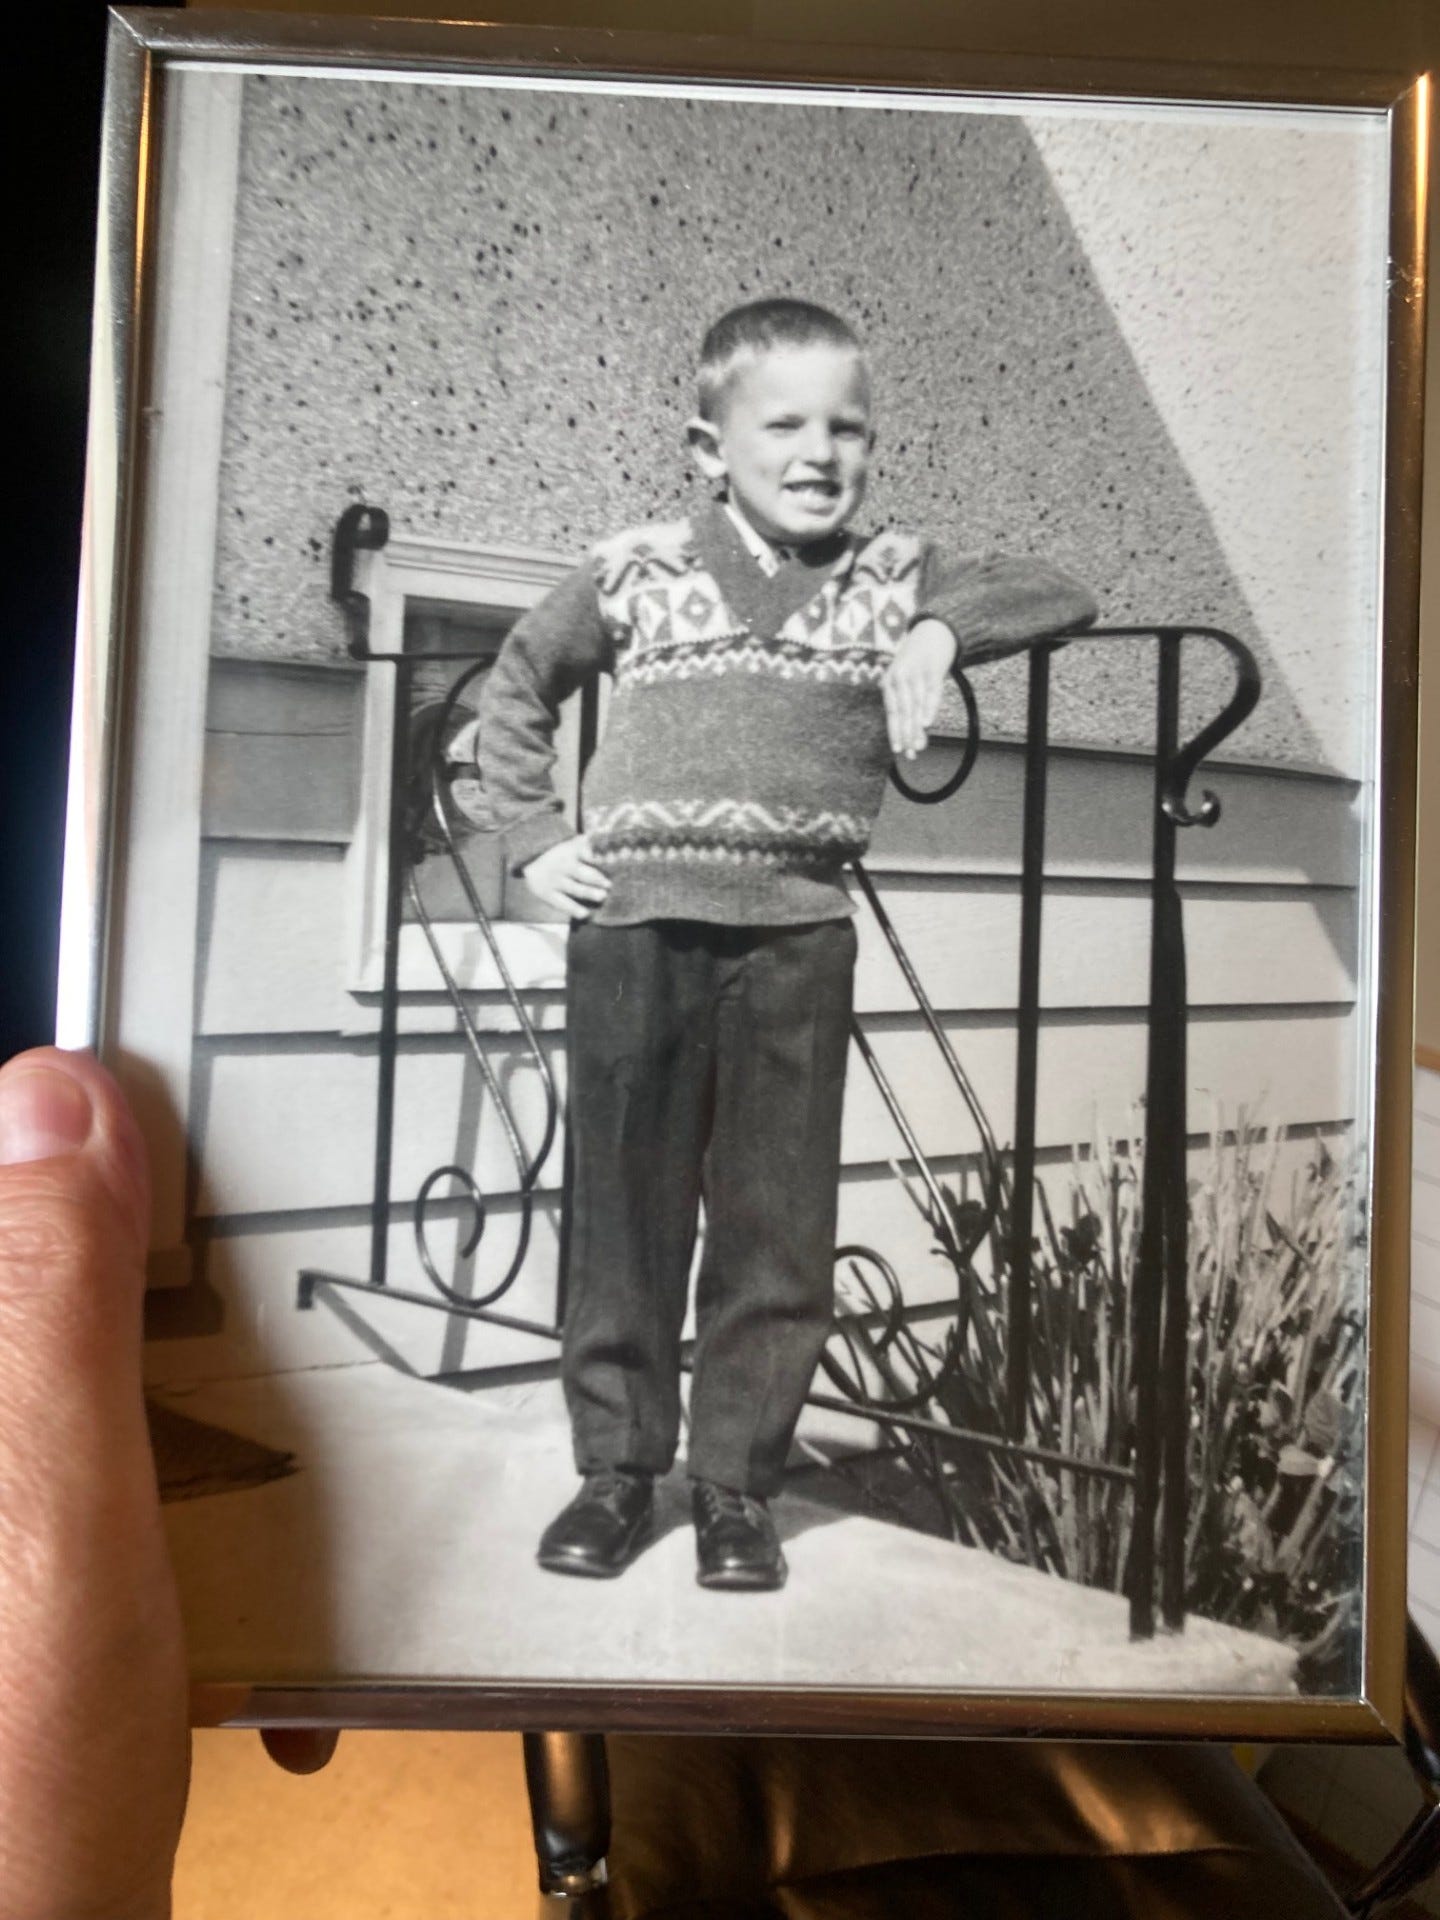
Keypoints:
pixel 1262 347
pixel 478 308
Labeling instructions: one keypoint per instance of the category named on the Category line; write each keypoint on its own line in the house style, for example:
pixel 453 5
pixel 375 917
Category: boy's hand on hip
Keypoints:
pixel 566 878
pixel 914 683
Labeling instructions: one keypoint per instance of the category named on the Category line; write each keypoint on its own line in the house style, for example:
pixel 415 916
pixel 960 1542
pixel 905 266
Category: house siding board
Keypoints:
pixel 240 1319
pixel 282 751
pixel 286 1126
pixel 1274 827
pixel 283 762
pixel 240 1316
pixel 273 918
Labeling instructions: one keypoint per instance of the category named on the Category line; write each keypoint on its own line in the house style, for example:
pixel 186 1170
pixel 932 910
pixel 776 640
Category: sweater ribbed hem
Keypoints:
pixel 739 894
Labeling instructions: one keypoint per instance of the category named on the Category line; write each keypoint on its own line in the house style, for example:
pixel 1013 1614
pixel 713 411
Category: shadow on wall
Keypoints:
pixel 479 309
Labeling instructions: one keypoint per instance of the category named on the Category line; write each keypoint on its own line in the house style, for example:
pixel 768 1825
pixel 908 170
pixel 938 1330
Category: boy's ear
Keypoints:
pixel 702 437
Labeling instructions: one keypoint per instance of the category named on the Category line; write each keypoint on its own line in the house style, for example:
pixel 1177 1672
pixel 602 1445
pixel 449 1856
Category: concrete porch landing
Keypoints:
pixel 404 1549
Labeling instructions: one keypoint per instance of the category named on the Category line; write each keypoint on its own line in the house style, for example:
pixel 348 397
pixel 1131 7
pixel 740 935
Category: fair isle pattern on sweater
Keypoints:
pixel 742 768
pixel 744 755
pixel 724 830
pixel 667 615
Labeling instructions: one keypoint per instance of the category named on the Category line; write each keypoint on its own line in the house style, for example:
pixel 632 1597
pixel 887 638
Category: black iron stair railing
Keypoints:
pixel 1157 1474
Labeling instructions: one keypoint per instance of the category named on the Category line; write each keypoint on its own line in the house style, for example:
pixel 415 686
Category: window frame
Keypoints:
pixel 494 579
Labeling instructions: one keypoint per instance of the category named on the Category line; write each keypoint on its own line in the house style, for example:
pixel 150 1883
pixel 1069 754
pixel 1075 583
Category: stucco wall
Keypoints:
pixel 478 308
pixel 1263 350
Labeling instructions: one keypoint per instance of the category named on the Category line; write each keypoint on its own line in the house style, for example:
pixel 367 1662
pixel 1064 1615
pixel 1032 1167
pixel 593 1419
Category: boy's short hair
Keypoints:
pixel 759 327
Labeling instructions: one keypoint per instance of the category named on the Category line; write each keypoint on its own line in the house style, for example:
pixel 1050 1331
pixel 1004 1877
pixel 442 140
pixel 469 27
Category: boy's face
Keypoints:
pixel 792 442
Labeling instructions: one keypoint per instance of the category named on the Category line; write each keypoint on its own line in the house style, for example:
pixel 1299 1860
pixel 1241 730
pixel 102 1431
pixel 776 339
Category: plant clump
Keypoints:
pixel 1276 1371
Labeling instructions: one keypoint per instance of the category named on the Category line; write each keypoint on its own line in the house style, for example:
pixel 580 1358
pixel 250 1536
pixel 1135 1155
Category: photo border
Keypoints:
pixel 142 43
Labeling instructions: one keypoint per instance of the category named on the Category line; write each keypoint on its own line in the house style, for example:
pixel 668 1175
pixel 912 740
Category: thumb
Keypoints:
pixel 92 1684
pixel 74 1218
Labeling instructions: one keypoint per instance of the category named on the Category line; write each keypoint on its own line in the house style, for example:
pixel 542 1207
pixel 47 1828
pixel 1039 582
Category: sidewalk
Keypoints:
pixel 418 1562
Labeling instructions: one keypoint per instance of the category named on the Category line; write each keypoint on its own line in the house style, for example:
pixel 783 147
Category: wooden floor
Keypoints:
pixel 418 1826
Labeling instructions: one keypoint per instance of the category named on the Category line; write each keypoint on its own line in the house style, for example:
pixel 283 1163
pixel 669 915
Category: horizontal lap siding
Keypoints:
pixel 250 1266
pixel 273 932
pixel 280 1128
pixel 283 1111
pixel 878 1213
pixel 245 1320
pixel 282 750
pixel 1276 827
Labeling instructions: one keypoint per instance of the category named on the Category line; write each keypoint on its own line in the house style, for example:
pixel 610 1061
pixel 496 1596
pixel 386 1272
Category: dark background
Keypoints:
pixel 55 91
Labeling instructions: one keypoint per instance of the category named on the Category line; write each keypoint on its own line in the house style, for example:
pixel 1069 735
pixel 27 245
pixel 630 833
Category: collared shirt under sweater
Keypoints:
pixel 745 750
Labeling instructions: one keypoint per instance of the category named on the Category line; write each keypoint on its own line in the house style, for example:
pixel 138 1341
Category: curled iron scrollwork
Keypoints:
pixel 1238 708
pixel 1185 762
pixel 872 1345
pixel 360 529
pixel 932 796
pixel 433 828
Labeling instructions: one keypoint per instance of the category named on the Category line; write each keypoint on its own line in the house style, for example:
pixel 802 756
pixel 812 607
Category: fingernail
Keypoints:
pixel 42 1113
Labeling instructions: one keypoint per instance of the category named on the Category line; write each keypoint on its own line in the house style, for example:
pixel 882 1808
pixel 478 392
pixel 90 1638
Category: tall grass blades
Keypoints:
pixel 1276 1380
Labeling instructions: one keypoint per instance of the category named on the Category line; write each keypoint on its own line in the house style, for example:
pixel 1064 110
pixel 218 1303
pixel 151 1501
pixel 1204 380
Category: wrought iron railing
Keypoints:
pixel 422 813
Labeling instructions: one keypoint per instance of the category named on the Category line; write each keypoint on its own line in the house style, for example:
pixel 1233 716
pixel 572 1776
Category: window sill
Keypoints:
pixel 533 953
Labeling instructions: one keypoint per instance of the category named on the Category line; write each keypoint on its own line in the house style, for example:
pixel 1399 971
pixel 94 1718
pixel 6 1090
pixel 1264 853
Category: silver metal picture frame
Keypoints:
pixel 391 326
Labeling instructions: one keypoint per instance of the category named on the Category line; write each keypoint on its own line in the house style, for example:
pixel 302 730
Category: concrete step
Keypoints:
pixel 404 1549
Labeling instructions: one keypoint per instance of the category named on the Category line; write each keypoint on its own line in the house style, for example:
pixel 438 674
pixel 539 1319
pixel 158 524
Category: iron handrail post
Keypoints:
pixel 1166 1123
pixel 1148 1297
pixel 388 1040
pixel 1160 1307
pixel 362 528
pixel 1027 1048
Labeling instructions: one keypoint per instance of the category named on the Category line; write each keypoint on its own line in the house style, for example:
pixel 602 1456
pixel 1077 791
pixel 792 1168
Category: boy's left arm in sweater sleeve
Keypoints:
pixel 550 652
pixel 553 649
pixel 971 611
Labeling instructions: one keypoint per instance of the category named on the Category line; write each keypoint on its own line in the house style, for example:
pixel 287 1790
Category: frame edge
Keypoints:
pixel 141 40
pixel 1394 927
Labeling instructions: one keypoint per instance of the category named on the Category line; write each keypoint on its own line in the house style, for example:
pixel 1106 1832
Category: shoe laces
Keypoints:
pixel 610 1488
pixel 728 1503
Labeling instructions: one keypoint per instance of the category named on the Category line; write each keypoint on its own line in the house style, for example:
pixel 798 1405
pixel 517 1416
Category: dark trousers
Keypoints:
pixel 705 1062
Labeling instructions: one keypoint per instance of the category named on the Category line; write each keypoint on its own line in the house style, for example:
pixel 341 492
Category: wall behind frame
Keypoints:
pixel 1401 34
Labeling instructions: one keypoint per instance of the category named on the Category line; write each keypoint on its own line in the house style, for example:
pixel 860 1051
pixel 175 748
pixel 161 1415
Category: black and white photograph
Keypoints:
pixel 744 913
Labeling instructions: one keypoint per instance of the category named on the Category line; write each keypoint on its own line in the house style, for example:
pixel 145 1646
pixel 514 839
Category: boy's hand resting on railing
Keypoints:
pixel 914 683
pixel 566 878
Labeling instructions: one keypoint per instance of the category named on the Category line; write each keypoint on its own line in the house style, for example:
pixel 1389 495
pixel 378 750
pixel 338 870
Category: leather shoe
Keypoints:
pixel 736 1546
pixel 603 1528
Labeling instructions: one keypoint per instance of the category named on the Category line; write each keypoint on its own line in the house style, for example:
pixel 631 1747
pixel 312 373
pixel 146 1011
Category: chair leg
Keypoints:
pixel 569 1787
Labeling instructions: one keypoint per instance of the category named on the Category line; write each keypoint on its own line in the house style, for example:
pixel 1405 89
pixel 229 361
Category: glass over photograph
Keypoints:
pixel 749 832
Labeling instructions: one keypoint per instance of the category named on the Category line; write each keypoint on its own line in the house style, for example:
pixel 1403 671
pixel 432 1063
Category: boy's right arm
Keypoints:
pixel 552 650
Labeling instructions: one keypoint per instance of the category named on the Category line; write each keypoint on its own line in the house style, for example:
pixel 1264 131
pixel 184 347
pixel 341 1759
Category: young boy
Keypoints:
pixel 767 663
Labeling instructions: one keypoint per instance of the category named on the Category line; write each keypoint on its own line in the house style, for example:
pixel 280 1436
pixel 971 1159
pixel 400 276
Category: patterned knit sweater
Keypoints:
pixel 745 751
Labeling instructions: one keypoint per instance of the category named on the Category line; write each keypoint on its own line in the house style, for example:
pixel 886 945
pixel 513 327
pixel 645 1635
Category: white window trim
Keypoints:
pixel 498 579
